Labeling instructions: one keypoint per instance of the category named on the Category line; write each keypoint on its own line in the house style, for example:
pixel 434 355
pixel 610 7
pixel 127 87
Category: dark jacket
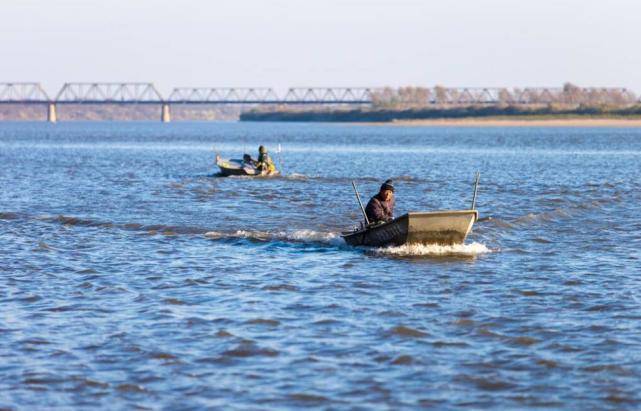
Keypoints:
pixel 265 163
pixel 378 210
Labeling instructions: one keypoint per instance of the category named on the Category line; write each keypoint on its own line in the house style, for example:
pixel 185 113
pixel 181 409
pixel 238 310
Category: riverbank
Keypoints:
pixel 466 115
pixel 513 122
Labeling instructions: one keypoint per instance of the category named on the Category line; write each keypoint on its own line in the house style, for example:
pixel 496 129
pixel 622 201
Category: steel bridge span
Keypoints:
pixel 146 93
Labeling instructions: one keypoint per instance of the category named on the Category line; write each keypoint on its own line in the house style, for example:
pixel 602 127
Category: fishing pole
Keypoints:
pixel 358 197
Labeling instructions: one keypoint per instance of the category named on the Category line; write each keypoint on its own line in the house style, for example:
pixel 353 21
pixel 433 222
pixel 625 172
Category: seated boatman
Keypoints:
pixel 247 159
pixel 380 208
pixel 264 164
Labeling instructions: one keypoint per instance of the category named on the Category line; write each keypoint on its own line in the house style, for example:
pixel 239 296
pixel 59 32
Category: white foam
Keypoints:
pixel 257 235
pixel 293 236
pixel 415 250
pixel 296 176
pixel 314 236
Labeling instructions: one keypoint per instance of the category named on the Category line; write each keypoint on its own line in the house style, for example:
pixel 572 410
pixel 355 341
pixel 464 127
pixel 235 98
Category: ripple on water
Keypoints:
pixel 263 321
pixel 280 287
pixel 403 360
pixel 223 334
pixel 450 344
pixel 83 382
pixel 42 378
pixel 524 340
pixel 132 280
pixel 161 356
pixel 488 383
pixel 173 301
pixel 29 299
pixel 464 322
pixel 406 332
pixel 249 349
pixel 308 399
pixel 131 388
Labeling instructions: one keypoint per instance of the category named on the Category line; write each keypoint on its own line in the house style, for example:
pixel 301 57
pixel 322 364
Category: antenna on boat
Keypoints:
pixel 358 197
pixel 280 158
pixel 476 189
pixel 217 157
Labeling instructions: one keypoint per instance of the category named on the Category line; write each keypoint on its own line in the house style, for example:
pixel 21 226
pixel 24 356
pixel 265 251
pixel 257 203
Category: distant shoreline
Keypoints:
pixel 629 116
pixel 509 122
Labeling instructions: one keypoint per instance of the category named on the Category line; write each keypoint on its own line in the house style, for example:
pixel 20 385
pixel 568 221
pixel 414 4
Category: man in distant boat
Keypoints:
pixel 247 159
pixel 264 164
pixel 380 208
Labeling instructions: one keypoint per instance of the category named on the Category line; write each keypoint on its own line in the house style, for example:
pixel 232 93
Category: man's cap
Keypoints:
pixel 388 185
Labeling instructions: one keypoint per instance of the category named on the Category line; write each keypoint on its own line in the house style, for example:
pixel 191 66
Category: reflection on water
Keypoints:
pixel 131 276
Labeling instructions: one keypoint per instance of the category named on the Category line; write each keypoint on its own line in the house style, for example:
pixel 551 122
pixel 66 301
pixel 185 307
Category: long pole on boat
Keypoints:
pixel 280 160
pixel 358 197
pixel 476 189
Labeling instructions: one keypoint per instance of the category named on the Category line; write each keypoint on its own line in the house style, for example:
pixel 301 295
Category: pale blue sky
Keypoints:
pixel 284 43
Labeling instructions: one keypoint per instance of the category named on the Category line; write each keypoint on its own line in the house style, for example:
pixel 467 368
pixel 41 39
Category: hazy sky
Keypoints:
pixel 284 43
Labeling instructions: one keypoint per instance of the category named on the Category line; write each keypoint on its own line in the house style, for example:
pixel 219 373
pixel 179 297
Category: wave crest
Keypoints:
pixel 298 236
pixel 417 250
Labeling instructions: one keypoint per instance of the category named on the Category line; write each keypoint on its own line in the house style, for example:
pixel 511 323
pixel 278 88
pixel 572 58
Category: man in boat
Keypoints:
pixel 264 164
pixel 380 208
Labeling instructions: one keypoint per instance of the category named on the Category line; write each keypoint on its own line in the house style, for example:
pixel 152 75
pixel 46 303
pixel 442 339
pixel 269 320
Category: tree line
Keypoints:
pixel 570 95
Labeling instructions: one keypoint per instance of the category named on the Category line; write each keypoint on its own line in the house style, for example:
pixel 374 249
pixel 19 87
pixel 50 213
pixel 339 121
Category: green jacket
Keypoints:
pixel 265 163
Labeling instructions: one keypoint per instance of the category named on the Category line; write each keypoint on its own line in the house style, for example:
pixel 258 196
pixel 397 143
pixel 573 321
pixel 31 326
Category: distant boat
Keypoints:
pixel 438 227
pixel 238 167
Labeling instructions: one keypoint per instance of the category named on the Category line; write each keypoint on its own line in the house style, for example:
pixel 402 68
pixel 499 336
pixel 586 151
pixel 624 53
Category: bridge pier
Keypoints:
pixel 165 115
pixel 52 117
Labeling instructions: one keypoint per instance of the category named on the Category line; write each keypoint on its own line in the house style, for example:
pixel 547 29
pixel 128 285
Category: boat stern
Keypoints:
pixel 440 227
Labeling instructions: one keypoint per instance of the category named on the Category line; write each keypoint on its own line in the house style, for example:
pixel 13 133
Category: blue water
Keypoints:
pixel 132 277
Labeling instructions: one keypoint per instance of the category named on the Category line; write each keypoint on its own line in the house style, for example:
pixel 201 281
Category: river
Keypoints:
pixel 131 276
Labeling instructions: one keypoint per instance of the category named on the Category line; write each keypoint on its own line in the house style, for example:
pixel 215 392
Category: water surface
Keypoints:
pixel 131 276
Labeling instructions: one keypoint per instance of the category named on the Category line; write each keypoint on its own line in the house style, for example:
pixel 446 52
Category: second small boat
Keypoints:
pixel 239 167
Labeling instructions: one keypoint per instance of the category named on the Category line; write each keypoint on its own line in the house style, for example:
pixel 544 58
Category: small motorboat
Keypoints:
pixel 239 167
pixel 436 227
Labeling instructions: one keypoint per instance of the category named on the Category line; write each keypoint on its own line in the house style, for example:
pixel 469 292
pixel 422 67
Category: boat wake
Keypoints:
pixel 295 236
pixel 433 250
pixel 295 176
pixel 301 236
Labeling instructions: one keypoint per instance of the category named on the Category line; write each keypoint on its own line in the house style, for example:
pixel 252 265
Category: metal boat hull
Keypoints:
pixel 239 168
pixel 440 227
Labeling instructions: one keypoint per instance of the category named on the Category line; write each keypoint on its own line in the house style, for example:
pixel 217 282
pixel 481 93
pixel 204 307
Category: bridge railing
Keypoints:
pixel 328 95
pixel 23 93
pixel 141 93
pixel 264 95
pixel 106 93
pixel 222 95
